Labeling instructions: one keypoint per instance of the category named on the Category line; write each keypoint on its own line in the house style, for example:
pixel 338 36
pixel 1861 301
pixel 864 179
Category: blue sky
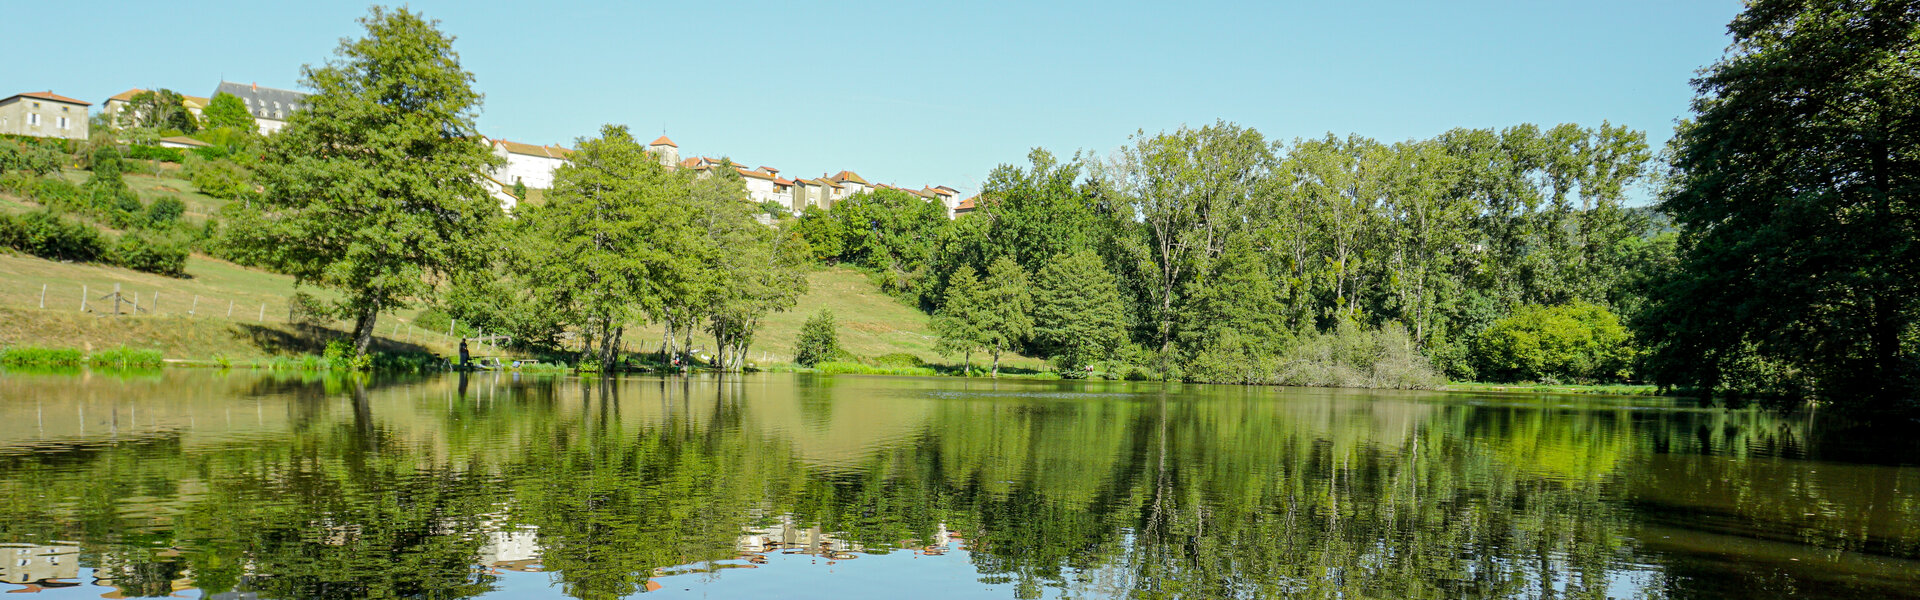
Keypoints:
pixel 917 93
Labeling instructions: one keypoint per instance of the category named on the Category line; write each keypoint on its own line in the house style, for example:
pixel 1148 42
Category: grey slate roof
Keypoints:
pixel 265 102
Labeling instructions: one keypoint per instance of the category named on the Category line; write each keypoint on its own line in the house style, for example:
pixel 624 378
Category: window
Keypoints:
pixel 63 109
pixel 33 119
pixel 63 122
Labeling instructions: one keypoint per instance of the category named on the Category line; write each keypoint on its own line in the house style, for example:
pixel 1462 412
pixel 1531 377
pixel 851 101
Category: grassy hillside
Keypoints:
pixel 871 323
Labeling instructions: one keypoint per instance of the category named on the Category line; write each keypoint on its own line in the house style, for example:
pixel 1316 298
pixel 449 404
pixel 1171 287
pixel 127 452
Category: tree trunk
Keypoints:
pixel 363 327
pixel 996 362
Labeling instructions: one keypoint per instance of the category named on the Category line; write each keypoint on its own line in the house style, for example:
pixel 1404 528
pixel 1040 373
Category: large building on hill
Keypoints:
pixel 44 114
pixel 116 107
pixel 270 107
pixel 526 164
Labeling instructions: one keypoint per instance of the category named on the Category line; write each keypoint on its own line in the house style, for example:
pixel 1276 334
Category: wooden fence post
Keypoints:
pixel 136 304
pixel 83 297
pixel 43 296
pixel 263 313
pixel 196 305
pixel 229 309
pixel 153 306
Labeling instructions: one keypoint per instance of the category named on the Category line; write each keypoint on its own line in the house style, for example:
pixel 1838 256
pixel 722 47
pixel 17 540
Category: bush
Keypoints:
pixel 1349 356
pixel 165 211
pixel 16 156
pixel 125 357
pixel 210 152
pixel 46 234
pixel 34 356
pixel 898 360
pixel 145 152
pixel 220 178
pixel 819 340
pixel 1577 342
pixel 152 253
pixel 306 310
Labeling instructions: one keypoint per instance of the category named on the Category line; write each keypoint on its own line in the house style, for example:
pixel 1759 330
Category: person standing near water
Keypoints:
pixel 463 353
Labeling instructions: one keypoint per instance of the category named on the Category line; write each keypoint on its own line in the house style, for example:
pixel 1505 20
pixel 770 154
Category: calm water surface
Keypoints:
pixel 201 484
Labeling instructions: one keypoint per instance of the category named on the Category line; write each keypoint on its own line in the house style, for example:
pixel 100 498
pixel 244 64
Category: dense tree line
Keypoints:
pixel 1213 253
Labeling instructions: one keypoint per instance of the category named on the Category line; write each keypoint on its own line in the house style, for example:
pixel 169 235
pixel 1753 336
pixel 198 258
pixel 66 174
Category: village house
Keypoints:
pixel 526 164
pixel 115 108
pixel 44 114
pixel 269 106
pixel 668 151
pixel 966 206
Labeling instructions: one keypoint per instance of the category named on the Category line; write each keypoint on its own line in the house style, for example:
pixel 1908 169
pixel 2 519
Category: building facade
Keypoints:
pixel 270 107
pixel 44 114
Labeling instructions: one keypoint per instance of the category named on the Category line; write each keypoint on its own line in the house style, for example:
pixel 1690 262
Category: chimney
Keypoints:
pixel 256 87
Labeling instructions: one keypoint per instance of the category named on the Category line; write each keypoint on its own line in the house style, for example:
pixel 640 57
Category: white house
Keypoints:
pixel 526 164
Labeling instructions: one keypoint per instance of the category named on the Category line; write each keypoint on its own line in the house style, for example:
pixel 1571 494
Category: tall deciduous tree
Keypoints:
pixel 372 190
pixel 594 249
pixel 226 110
pixel 958 321
pixel 1797 191
pixel 1005 309
pixel 1079 315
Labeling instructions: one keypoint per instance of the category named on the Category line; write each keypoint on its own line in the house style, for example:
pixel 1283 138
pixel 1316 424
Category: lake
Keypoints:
pixel 207 484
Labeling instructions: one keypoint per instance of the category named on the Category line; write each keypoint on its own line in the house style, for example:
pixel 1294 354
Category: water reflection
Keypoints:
pixel 251 485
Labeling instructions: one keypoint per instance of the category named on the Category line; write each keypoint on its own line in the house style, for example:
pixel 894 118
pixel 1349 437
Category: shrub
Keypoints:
pixel 221 178
pixel 45 234
pixel 165 211
pixel 1354 356
pixel 125 357
pixel 151 252
pixel 898 360
pixel 819 340
pixel 1579 342
pixel 306 310
pixel 210 152
pixel 34 356
pixel 28 158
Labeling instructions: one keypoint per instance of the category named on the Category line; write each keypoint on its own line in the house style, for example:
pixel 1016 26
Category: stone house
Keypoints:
pixel 44 114
pixel 527 164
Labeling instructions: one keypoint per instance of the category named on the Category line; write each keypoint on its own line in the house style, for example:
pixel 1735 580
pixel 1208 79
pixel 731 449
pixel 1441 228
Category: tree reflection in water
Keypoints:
pixel 330 488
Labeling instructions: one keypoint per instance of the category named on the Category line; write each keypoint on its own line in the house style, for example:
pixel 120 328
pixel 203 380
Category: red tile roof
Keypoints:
pixel 49 95
pixel 663 141
pixel 845 176
pixel 754 174
pixel 533 150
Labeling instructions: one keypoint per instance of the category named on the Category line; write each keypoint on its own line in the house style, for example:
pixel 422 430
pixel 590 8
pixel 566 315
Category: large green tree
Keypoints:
pixel 226 110
pixel 1796 188
pixel 958 321
pixel 594 249
pixel 1005 309
pixel 1079 314
pixel 372 190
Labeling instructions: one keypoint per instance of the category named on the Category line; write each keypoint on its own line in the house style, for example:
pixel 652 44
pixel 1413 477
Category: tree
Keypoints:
pixel 161 110
pixel 1237 295
pixel 1187 190
pixel 819 340
pixel 1079 316
pixel 1005 309
pixel 594 251
pixel 1572 342
pixel 958 321
pixel 227 111
pixel 1796 193
pixel 372 190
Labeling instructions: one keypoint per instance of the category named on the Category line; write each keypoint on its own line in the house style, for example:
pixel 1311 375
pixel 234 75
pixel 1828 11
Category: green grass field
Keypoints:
pixel 218 308
pixel 150 184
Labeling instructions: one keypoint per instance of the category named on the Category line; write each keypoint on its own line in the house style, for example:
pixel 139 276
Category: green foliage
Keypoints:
pixel 1793 191
pixel 341 355
pixel 226 110
pixel 519 190
pixel 306 310
pixel 819 340
pixel 889 232
pixel 36 159
pixel 958 322
pixel 160 110
pixel 219 177
pixel 1004 312
pixel 1577 342
pixel 145 152
pixel 46 234
pixel 1355 356
pixel 370 190
pixel 34 356
pixel 152 252
pixel 165 211
pixel 1079 315
pixel 824 233
pixel 124 357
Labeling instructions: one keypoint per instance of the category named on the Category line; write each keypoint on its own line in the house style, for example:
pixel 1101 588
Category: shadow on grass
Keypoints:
pixel 310 339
